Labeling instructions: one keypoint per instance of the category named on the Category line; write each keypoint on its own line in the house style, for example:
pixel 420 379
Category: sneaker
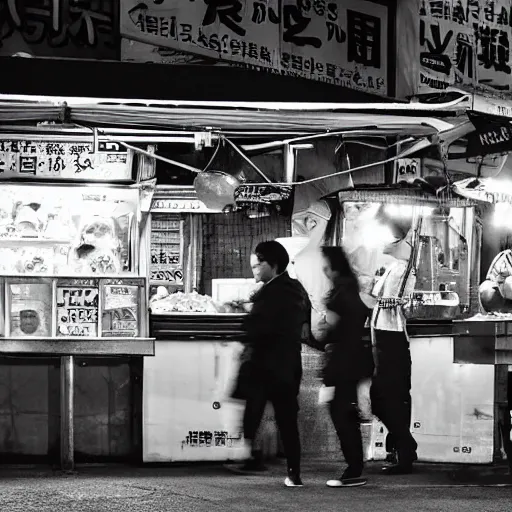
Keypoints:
pixel 347 482
pixel 293 481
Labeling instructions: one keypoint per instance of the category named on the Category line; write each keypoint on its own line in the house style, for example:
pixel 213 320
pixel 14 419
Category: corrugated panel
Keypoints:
pixel 255 120
pixel 29 111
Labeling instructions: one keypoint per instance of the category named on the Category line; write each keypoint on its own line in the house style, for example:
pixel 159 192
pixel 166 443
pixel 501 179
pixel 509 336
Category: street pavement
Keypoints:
pixel 213 488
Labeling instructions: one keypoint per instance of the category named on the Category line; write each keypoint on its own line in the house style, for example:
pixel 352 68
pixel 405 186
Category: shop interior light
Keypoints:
pixel 499 186
pixel 376 234
pixel 502 216
pixel 406 210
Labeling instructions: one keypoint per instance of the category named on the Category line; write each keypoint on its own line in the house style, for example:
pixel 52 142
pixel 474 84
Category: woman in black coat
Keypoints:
pixel 347 360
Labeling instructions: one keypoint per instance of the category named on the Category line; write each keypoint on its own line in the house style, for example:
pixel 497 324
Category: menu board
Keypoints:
pixel 77 307
pixel 30 309
pixel 166 249
pixel 121 308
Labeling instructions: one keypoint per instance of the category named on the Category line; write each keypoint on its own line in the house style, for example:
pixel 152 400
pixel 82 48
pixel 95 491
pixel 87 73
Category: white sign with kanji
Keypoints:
pixel 343 42
pixel 65 160
pixel 465 44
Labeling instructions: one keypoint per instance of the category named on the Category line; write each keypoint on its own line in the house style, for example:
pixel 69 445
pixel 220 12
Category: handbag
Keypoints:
pixel 245 376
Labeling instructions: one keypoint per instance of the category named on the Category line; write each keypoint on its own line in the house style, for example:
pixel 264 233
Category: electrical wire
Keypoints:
pixel 293 183
pixel 248 160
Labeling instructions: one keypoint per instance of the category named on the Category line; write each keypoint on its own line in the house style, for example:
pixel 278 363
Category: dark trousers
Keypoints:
pixel 391 390
pixel 286 408
pixel 345 417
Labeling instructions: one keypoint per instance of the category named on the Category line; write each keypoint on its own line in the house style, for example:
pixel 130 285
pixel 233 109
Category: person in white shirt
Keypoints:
pixel 391 384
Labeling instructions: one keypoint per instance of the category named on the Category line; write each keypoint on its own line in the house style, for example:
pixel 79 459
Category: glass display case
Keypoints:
pixel 70 262
pixel 68 230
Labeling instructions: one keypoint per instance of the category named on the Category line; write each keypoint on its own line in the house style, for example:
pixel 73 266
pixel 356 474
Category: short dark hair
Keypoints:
pixel 274 254
pixel 338 261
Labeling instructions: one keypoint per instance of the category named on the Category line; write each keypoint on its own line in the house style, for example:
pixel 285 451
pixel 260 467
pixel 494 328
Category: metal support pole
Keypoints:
pixel 289 164
pixel 67 431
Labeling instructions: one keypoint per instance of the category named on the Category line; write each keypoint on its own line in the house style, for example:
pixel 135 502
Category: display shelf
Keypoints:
pixel 36 240
pixel 78 346
pixel 35 275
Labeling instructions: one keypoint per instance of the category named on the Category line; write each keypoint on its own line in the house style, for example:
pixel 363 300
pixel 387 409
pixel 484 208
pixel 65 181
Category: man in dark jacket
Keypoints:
pixel 272 370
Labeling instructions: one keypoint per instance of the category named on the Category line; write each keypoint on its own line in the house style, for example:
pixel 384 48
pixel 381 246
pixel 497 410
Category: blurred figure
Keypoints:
pixel 271 366
pixel 391 384
pixel 346 361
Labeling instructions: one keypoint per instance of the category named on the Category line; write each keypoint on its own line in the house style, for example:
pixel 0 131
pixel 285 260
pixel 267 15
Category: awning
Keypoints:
pixel 487 190
pixel 373 119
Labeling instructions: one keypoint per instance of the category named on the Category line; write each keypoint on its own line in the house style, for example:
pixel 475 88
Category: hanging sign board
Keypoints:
pixel 493 135
pixel 249 195
pixel 342 42
pixel 65 160
pixel 266 194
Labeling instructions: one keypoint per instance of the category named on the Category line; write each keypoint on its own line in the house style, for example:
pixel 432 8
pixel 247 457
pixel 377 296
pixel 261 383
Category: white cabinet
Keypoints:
pixel 452 404
pixel 187 412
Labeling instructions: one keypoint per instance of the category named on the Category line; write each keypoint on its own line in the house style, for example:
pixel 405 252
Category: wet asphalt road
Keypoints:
pixel 212 488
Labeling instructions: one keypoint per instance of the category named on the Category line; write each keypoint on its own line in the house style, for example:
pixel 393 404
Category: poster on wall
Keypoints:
pixel 77 307
pixel 464 44
pixel 343 42
pixel 120 310
pixel 30 307
pixel 78 29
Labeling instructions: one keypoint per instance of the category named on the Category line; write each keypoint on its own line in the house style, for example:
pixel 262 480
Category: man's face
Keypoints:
pixel 261 270
pixel 29 321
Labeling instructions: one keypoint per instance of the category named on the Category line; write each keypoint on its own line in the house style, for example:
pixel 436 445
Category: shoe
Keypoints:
pixel 347 482
pixel 398 469
pixel 293 481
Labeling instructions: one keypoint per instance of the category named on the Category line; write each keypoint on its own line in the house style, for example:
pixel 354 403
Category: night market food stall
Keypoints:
pixel 302 153
pixel 73 264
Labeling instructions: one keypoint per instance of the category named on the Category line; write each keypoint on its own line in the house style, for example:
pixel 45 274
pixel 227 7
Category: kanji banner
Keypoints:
pixel 465 44
pixel 343 42
pixel 76 29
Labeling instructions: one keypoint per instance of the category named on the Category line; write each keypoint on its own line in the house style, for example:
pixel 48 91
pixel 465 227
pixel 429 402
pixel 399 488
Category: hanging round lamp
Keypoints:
pixel 216 189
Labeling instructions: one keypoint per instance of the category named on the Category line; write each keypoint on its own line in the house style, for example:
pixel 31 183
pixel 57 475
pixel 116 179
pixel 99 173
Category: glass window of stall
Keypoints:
pixel 446 252
pixel 69 261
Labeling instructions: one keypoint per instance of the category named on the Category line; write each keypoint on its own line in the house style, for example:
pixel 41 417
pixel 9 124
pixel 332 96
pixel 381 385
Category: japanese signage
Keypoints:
pixel 465 44
pixel 494 106
pixel 64 160
pixel 493 135
pixel 120 316
pixel 206 438
pixel 77 308
pixel 343 42
pixel 86 29
pixel 180 205
pixel 262 193
pixel 166 249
